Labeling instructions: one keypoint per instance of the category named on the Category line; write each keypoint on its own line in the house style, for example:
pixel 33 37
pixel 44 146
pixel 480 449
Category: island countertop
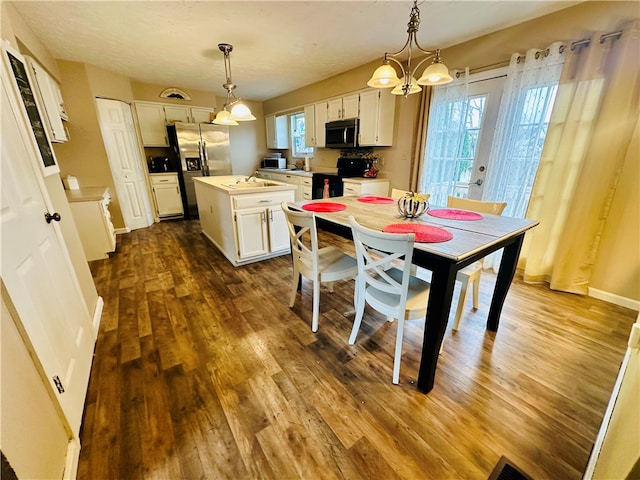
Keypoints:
pixel 236 184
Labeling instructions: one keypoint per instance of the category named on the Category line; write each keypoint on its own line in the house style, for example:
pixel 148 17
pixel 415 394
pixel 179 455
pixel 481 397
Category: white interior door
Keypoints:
pixel 36 269
pixel 118 134
pixel 459 141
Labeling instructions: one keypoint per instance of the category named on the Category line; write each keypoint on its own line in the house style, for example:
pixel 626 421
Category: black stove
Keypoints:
pixel 325 185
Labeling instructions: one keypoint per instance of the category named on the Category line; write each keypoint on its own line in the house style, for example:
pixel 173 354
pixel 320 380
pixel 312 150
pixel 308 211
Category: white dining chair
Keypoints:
pixel 396 193
pixel 320 265
pixel 394 292
pixel 471 273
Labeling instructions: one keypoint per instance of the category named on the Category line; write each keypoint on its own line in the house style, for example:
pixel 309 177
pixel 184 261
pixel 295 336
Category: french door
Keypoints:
pixel 462 122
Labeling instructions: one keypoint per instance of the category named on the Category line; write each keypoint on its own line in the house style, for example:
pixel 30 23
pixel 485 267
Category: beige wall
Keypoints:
pixel 614 273
pixel 150 92
pixel 84 155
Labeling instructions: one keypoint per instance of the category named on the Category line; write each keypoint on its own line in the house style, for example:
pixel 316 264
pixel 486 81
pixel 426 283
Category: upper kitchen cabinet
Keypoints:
pixel 277 131
pixel 151 118
pixel 49 99
pixel 179 113
pixel 315 116
pixel 342 108
pixel 377 115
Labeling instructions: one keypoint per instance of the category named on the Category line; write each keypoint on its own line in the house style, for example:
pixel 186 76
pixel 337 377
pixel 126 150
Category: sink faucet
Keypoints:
pixel 247 179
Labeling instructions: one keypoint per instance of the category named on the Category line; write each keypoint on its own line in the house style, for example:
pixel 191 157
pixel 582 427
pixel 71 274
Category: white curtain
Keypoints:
pixel 591 133
pixel 448 120
pixel 527 100
pixel 521 128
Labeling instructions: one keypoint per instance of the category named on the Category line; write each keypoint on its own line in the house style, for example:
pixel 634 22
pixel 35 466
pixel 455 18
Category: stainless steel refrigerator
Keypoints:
pixel 203 150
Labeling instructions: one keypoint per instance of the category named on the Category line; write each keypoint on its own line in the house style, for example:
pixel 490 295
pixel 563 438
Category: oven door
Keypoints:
pixel 334 183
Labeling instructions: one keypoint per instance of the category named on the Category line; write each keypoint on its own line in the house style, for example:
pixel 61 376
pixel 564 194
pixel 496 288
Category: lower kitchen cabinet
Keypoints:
pixel 261 231
pixel 301 180
pixel 166 191
pixel 90 209
pixel 366 186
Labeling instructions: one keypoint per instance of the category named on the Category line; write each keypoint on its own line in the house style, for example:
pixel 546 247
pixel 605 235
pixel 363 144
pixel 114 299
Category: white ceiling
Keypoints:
pixel 278 46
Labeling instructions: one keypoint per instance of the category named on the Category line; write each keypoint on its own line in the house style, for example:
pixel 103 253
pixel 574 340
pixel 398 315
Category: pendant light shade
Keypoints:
pixel 435 74
pixel 239 111
pixel 385 76
pixel 414 88
pixel 224 118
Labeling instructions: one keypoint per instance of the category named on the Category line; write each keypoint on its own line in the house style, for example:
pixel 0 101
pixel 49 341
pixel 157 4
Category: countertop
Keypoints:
pixel 228 184
pixel 304 173
pixel 86 194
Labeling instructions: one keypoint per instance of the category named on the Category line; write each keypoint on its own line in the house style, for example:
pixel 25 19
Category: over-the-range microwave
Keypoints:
pixel 342 134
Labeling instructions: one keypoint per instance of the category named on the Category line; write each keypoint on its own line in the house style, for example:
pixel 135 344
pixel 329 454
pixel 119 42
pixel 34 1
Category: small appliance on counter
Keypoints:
pixel 159 165
pixel 273 162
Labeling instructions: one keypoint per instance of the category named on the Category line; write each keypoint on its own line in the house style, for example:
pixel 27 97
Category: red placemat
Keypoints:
pixel 324 207
pixel 455 214
pixel 424 233
pixel 374 199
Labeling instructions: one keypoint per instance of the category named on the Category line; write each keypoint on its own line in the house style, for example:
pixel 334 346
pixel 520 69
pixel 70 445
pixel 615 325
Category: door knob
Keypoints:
pixel 477 182
pixel 49 217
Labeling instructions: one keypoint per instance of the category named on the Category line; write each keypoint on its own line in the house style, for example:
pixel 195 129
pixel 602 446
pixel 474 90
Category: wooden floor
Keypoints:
pixel 202 370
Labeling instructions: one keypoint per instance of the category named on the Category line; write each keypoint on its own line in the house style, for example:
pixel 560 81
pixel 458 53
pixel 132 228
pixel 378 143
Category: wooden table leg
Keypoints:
pixel 443 280
pixel 503 281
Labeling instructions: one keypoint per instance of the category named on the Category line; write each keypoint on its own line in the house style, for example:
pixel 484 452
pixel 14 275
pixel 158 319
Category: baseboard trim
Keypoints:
pixel 97 315
pixel 615 299
pixel 120 231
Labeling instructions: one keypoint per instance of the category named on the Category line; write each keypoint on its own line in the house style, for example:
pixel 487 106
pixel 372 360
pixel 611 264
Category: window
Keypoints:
pixel 298 147
pixel 485 135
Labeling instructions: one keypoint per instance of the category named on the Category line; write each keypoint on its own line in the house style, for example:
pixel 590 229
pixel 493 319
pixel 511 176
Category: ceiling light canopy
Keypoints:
pixel 239 112
pixel 385 76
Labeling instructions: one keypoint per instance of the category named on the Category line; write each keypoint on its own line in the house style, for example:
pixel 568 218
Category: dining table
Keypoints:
pixel 461 238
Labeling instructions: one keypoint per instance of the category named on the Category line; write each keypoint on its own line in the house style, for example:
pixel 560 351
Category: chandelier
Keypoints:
pixel 385 75
pixel 238 112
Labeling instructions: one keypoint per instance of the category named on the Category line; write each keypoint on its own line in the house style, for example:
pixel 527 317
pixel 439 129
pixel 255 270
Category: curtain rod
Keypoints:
pixel 579 43
pixel 603 38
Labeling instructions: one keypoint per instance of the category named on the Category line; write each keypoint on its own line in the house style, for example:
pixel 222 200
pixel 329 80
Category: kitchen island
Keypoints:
pixel 243 219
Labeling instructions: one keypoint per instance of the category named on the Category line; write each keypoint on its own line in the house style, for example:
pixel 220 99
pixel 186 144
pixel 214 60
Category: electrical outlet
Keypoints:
pixel 381 161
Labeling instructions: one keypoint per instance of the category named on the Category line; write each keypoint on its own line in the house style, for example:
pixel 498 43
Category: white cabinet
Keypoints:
pixel 166 191
pixel 315 116
pixel 277 131
pixel 342 108
pixel 151 118
pixel 179 113
pixel 377 115
pixel 90 210
pixel 366 186
pixel 301 181
pixel 154 117
pixel 49 100
pixel 261 229
pixel 201 114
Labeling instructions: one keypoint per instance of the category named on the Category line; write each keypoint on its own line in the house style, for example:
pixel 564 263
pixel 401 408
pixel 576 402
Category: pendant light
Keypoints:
pixel 238 112
pixel 385 76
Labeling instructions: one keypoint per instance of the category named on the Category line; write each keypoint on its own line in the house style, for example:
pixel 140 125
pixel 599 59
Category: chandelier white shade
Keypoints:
pixel 239 112
pixel 385 76
pixel 414 88
pixel 224 118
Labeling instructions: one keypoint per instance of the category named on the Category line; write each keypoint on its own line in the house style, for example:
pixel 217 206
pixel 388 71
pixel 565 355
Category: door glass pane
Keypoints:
pixel 452 142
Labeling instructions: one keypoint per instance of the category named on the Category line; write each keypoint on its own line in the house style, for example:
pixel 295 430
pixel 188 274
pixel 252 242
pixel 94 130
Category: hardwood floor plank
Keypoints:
pixel 202 370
